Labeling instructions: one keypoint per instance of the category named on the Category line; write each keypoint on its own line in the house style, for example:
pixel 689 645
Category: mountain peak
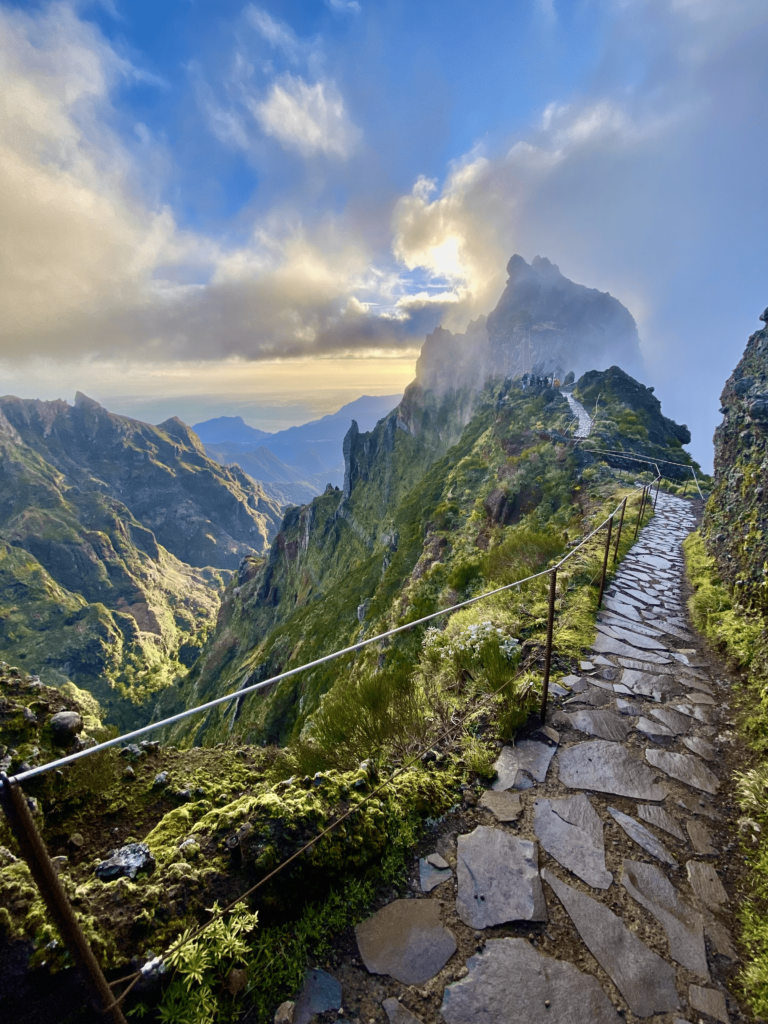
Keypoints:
pixel 543 323
pixel 84 402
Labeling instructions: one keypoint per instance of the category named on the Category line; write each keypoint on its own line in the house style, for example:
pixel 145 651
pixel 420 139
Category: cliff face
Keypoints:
pixel 736 520
pixel 543 324
pixel 88 590
pixel 204 513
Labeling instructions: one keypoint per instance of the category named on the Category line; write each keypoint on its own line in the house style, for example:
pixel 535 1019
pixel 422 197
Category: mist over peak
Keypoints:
pixel 543 323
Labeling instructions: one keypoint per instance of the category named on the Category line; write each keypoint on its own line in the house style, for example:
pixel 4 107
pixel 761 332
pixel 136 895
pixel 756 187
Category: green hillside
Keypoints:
pixel 88 593
pixel 444 499
pixel 432 511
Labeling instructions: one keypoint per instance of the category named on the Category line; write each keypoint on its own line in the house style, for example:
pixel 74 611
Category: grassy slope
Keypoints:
pixel 418 533
pixel 742 636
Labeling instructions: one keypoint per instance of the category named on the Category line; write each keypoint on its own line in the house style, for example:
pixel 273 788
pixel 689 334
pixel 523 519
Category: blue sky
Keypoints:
pixel 258 207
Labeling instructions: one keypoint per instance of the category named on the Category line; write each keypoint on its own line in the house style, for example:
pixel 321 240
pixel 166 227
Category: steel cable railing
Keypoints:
pixel 31 844
pixel 644 458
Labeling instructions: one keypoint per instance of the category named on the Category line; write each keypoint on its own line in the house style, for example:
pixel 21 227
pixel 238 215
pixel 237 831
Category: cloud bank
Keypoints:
pixel 633 185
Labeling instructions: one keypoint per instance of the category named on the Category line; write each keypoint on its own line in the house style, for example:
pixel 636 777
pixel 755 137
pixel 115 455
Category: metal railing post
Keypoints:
pixel 658 485
pixel 48 882
pixel 605 562
pixel 618 535
pixel 548 651
pixel 639 514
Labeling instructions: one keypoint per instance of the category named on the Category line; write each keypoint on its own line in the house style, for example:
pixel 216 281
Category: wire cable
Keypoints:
pixel 244 691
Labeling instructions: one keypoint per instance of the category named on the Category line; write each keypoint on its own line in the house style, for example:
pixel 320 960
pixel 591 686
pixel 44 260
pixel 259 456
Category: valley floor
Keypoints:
pixel 610 838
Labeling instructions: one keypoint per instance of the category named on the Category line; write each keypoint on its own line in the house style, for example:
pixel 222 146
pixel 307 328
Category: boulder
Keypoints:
pixel 126 862
pixel 65 725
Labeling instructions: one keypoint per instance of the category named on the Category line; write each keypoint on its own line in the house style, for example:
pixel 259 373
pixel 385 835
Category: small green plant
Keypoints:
pixel 752 789
pixel 474 644
pixel 518 701
pixel 478 757
pixel 199 993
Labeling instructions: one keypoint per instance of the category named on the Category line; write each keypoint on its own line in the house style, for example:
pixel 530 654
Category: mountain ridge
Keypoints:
pixel 95 510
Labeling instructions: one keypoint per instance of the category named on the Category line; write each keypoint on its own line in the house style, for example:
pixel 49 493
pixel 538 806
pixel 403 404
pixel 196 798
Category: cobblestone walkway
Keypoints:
pixel 585 420
pixel 587 886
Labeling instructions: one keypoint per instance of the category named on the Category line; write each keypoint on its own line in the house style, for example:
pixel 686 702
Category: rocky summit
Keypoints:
pixel 543 324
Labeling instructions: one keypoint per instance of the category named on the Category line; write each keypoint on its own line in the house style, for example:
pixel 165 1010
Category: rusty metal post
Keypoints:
pixel 548 651
pixel 618 535
pixel 605 561
pixel 48 882
pixel 639 514
pixel 658 485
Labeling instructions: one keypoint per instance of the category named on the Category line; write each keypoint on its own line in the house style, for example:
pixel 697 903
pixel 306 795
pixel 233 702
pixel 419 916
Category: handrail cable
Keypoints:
pixel 641 458
pixel 184 939
pixel 134 734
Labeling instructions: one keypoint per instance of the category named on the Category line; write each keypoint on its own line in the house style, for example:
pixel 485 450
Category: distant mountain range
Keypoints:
pixel 293 465
pixel 116 540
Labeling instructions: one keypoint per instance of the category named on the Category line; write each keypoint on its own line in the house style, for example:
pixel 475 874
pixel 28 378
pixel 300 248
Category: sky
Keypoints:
pixel 211 207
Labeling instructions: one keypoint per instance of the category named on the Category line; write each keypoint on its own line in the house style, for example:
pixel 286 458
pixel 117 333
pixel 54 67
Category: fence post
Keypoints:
pixel 658 485
pixel 48 882
pixel 639 514
pixel 618 535
pixel 605 561
pixel 548 651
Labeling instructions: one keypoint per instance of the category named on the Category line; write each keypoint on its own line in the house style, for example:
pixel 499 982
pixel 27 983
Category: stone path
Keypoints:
pixel 585 420
pixel 587 884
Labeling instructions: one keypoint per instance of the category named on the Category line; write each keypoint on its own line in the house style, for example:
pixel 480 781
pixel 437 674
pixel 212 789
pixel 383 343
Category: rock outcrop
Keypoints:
pixel 736 522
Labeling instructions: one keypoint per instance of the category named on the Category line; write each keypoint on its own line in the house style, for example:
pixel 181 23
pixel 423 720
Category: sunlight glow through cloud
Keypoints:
pixel 635 184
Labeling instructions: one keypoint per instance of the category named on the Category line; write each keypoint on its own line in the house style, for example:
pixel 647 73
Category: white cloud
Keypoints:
pixel 277 33
pixel 89 259
pixel 623 188
pixel 490 207
pixel 344 6
pixel 308 118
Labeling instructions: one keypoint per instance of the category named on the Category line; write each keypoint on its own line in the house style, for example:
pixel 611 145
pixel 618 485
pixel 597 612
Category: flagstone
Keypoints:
pixel 657 816
pixel 706 883
pixel 406 940
pixel 645 980
pixel 512 983
pixel 498 879
pixel 608 767
pixel 685 768
pixel 684 926
pixel 570 830
pixel 642 836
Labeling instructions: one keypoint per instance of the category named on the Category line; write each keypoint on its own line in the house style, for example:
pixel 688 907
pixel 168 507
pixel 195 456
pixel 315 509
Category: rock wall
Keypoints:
pixel 736 518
